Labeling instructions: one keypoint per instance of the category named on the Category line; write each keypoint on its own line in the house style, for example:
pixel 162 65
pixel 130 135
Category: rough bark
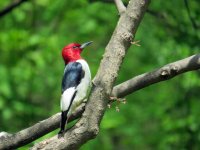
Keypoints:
pixel 164 73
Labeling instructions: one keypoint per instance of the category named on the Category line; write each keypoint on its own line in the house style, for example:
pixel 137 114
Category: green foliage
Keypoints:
pixel 31 39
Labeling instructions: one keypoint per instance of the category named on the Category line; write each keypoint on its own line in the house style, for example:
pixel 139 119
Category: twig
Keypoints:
pixel 10 7
pixel 136 43
pixel 120 6
pixel 189 14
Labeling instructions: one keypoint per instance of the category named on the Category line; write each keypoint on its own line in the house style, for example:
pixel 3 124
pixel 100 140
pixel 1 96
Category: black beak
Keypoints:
pixel 85 44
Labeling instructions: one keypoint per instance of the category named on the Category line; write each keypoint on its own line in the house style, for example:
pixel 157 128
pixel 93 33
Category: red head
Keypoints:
pixel 72 52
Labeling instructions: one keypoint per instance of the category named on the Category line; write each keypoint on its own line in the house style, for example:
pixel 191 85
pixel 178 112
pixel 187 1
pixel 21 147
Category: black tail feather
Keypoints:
pixel 64 118
pixel 63 122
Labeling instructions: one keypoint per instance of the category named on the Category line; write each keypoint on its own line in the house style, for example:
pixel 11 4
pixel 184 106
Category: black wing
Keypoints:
pixel 72 75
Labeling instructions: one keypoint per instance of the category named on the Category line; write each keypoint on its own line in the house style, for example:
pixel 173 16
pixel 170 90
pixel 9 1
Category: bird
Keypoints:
pixel 76 81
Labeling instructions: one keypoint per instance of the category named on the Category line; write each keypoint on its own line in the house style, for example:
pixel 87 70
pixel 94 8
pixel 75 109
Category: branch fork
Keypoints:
pixel 120 6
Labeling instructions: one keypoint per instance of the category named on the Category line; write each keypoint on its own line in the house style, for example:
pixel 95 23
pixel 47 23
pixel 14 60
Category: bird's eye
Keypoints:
pixel 74 46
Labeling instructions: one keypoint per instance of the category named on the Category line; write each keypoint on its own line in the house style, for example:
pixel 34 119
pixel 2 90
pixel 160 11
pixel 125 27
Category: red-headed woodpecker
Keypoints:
pixel 75 82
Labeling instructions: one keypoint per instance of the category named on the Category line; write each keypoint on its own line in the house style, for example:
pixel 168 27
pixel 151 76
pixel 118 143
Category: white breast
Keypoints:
pixel 83 87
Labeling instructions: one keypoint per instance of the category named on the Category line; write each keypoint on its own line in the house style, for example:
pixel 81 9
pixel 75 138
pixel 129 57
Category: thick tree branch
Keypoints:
pixel 164 73
pixel 120 6
pixel 12 141
pixel 10 7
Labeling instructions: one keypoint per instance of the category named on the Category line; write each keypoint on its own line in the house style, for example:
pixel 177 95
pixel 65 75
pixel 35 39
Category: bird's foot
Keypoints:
pixel 61 134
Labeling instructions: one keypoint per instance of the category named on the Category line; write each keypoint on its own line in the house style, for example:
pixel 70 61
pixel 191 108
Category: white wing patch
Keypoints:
pixel 66 98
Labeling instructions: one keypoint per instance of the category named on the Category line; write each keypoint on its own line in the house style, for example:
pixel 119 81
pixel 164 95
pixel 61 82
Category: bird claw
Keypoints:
pixel 61 134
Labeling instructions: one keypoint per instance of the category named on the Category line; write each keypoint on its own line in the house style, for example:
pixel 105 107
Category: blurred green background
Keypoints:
pixel 164 116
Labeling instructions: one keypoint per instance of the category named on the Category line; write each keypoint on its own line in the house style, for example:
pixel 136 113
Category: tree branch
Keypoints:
pixel 195 26
pixel 136 83
pixel 159 15
pixel 120 6
pixel 164 73
pixel 23 137
pixel 10 7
